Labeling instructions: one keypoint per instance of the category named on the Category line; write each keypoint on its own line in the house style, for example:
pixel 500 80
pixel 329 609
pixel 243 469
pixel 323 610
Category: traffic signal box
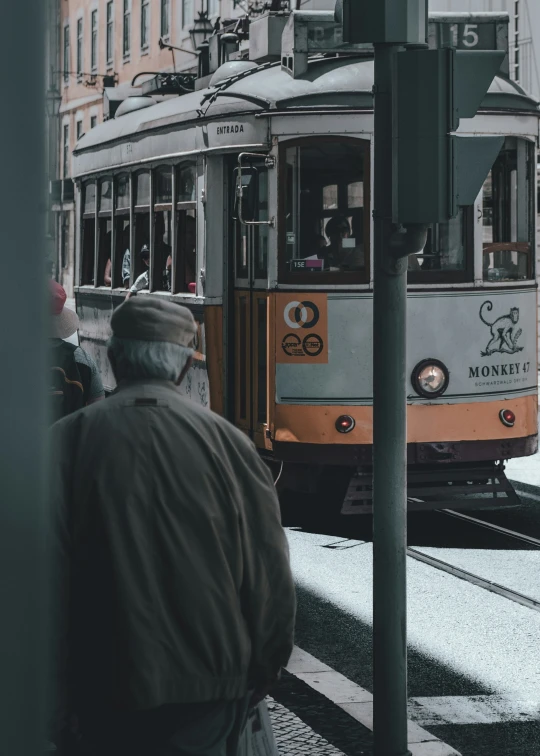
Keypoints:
pixel 387 21
pixel 436 170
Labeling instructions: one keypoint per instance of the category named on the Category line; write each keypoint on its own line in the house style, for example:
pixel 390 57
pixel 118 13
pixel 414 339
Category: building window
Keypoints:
pixel 79 130
pixel 110 37
pixel 165 17
pixel 93 40
pixel 79 46
pixel 93 121
pixel 145 19
pixel 126 37
pixel 65 150
pixel 187 12
pixel 66 53
pixel 213 7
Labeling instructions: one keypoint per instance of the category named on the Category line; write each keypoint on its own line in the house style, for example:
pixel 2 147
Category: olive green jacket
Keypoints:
pixel 172 562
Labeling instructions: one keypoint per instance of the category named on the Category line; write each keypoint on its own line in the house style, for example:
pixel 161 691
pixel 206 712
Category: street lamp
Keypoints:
pixel 202 28
pixel 53 100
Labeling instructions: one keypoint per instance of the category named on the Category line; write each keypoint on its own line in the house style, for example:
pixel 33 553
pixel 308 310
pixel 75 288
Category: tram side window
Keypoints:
pixel 105 233
pixel 88 233
pixel 186 230
pixel 162 229
pixel 326 225
pixel 508 214
pixel 121 232
pixel 445 252
pixel 142 227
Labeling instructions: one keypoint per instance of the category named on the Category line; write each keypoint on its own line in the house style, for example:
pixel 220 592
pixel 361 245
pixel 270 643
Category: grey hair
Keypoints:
pixel 136 359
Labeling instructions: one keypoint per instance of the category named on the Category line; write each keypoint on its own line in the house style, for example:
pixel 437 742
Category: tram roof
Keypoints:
pixel 328 83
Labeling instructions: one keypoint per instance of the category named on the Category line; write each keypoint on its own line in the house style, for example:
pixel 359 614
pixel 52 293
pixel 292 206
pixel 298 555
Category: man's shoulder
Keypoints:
pixel 208 419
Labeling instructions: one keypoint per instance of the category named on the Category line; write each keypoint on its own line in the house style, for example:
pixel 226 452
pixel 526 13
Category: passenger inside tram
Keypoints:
pixel 142 281
pixel 343 252
pixel 107 276
pixel 162 250
pixel 187 252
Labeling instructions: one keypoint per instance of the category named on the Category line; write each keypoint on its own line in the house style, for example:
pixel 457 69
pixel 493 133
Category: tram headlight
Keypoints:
pixel 430 378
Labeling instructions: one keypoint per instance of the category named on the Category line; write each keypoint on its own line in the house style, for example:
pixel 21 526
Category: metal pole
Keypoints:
pixel 23 382
pixel 389 438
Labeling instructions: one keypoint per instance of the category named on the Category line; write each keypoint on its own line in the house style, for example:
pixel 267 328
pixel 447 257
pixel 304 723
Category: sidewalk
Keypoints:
pixel 316 711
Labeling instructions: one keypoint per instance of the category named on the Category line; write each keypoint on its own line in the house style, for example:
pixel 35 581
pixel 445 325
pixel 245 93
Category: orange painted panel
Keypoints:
pixel 213 328
pixel 301 328
pixel 474 421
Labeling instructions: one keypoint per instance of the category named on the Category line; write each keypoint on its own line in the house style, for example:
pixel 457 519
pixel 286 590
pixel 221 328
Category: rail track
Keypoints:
pixel 488 585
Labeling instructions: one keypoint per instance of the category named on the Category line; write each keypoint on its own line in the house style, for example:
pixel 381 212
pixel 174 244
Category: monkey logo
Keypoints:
pixel 504 336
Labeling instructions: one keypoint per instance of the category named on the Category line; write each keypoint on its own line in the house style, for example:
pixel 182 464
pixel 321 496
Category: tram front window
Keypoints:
pixel 508 214
pixel 326 224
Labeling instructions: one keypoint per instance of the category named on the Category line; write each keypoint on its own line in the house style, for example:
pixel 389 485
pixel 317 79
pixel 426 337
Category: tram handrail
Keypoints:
pixel 269 162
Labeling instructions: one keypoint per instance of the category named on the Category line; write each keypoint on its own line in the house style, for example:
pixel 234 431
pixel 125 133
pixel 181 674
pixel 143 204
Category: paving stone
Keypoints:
pixel 294 737
pixel 317 722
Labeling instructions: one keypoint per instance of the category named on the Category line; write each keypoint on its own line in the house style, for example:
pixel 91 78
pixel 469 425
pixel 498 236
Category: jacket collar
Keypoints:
pixel 146 383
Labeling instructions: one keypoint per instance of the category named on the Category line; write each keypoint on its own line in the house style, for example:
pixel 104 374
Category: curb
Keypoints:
pixel 358 702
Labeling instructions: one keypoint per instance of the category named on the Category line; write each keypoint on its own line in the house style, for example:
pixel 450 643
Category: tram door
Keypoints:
pixel 249 258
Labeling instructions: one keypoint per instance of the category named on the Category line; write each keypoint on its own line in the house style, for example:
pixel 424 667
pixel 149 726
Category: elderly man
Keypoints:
pixel 177 589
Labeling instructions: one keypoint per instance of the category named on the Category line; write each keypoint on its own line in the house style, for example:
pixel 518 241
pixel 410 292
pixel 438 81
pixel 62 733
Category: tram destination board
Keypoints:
pixel 470 31
pixel 311 32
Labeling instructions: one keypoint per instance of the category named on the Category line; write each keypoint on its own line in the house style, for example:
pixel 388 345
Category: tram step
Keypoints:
pixel 456 488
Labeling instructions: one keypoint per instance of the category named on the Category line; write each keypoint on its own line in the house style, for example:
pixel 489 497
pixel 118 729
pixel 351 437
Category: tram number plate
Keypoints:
pixel 466 36
pixel 307 264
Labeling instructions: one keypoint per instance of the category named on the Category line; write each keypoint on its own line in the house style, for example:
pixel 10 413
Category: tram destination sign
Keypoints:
pixel 470 31
pixel 311 32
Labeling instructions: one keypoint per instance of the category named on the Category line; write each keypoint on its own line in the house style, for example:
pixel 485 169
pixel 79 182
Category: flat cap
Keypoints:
pixel 148 318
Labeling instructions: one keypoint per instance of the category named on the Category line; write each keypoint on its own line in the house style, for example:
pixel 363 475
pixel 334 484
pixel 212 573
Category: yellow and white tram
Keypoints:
pixel 279 274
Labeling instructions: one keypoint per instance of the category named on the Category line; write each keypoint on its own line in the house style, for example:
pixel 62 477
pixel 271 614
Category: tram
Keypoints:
pixel 253 194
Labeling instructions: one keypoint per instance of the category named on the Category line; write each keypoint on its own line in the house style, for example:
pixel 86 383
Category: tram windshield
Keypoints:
pixel 508 214
pixel 326 228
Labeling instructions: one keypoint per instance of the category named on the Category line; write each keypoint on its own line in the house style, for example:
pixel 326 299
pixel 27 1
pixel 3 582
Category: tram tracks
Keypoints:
pixel 474 579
